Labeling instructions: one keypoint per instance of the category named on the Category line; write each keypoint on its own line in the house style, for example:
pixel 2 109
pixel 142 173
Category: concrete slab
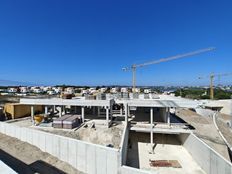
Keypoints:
pixel 29 138
pixel 81 156
pixel 23 134
pixel 56 146
pixel 101 161
pixel 49 144
pixel 112 162
pixel 42 142
pixel 72 153
pixel 35 137
pixel 64 149
pixel 91 159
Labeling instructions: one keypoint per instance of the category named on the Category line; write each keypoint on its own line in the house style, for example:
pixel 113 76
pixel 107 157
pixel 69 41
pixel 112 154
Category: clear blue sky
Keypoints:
pixel 88 42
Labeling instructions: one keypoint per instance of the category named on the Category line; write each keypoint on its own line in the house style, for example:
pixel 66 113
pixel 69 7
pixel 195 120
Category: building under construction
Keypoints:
pixel 123 135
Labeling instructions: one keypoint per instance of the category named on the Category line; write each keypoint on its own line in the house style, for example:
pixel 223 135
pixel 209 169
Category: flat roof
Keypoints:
pixel 175 103
pixel 71 102
pixel 163 103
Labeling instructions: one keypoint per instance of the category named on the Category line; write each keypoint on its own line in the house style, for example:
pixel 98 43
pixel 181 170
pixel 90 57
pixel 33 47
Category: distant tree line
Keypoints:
pixel 195 93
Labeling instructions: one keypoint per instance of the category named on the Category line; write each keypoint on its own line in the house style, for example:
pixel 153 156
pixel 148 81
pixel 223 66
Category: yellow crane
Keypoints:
pixel 212 77
pixel 135 66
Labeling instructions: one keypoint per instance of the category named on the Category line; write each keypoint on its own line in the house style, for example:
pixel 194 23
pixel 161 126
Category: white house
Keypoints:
pixel 147 91
pixel 137 90
pixel 70 90
pixel 57 89
pixel 114 90
pixel 124 89
pixel 12 90
pixel 103 90
pixel 51 92
pixel 23 89
pixel 37 90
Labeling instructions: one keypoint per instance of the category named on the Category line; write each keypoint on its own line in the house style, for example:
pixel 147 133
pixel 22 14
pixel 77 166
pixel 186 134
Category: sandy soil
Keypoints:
pixel 27 159
pixel 98 135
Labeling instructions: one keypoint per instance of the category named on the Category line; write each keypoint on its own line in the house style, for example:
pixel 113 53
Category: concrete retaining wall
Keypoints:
pixel 123 155
pixel 124 145
pixel 85 157
pixel 205 112
pixel 208 159
pixel 131 170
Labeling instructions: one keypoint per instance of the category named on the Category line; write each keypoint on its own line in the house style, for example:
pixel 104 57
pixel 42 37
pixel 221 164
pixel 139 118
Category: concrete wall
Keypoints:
pixel 131 170
pixel 123 156
pixel 124 145
pixel 208 159
pixel 205 112
pixel 86 157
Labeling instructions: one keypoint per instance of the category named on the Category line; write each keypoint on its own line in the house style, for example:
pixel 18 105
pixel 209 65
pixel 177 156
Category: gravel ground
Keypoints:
pixel 28 159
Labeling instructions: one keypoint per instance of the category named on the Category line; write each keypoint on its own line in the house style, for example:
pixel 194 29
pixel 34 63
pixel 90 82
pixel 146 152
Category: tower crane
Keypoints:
pixel 133 67
pixel 212 77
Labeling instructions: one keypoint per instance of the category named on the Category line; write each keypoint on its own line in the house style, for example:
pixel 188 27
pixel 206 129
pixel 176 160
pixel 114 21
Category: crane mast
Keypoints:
pixel 134 67
pixel 211 77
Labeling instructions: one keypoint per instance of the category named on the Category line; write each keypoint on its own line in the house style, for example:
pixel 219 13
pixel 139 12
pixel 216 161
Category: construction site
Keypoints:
pixel 163 135
pixel 117 132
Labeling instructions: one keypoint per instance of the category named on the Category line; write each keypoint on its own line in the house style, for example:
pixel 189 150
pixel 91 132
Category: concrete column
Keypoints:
pixel 94 110
pixel 83 113
pixel 121 111
pixel 64 110
pixel 46 110
pixel 32 114
pixel 111 112
pixel 98 110
pixel 151 136
pixel 168 116
pixel 126 113
pixel 60 111
pixel 107 117
pixel 54 109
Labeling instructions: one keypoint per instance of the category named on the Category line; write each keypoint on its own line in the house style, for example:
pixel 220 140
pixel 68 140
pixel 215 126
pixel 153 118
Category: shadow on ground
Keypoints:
pixel 20 167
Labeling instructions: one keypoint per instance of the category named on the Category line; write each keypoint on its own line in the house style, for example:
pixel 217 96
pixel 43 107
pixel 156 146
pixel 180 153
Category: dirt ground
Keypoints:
pixel 98 135
pixel 27 159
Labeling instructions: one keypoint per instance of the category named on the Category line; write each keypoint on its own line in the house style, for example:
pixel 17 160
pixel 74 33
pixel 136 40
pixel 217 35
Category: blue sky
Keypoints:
pixel 88 42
